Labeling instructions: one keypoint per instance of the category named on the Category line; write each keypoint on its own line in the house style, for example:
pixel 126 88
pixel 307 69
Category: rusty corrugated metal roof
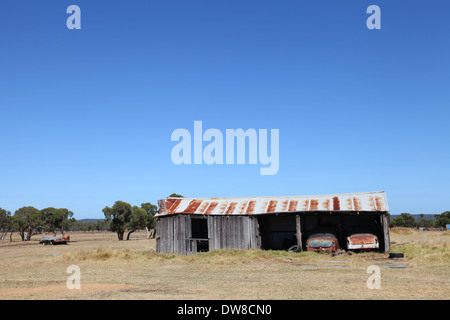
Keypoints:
pixel 356 202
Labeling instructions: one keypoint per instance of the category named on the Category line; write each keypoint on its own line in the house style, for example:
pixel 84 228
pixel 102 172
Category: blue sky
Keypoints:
pixel 86 115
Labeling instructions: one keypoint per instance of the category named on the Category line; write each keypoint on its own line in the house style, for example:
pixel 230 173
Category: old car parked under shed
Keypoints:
pixel 191 225
pixel 322 242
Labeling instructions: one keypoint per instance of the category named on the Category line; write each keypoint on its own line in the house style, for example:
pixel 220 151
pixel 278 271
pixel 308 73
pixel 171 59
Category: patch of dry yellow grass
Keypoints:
pixel 61 289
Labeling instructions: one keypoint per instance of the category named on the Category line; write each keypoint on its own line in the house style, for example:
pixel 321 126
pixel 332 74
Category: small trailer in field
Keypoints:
pixel 55 240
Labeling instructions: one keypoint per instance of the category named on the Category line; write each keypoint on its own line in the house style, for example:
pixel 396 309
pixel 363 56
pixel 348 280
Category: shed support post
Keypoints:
pixel 299 231
pixel 385 227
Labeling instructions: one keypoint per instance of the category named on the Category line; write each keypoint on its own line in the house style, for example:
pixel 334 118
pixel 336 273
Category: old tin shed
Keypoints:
pixel 186 225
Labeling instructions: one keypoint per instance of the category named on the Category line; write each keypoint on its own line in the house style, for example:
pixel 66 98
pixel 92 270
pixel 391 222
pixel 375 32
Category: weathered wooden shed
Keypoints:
pixel 186 225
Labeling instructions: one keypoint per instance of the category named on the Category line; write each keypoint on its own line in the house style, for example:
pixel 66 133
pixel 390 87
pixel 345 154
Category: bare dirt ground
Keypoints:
pixel 113 269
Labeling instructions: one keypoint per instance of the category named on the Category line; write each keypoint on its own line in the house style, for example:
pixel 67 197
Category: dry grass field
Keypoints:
pixel 112 269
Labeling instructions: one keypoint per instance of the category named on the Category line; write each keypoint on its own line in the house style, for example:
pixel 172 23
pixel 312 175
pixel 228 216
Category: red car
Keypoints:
pixel 322 242
pixel 362 241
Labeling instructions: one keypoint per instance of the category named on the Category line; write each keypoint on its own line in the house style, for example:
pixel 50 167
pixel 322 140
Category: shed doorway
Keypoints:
pixel 199 241
pixel 277 232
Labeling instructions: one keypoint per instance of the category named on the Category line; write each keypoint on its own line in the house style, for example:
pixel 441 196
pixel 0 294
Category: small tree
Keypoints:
pixel 398 222
pixel 50 219
pixel 57 219
pixel 6 224
pixel 65 219
pixel 410 221
pixel 429 223
pixel 29 221
pixel 119 217
pixel 138 220
pixel 20 225
pixel 175 195
pixel 442 219
pixel 151 210
pixel 425 223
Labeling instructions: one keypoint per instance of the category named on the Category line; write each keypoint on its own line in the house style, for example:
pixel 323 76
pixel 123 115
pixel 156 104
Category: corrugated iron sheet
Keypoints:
pixel 356 202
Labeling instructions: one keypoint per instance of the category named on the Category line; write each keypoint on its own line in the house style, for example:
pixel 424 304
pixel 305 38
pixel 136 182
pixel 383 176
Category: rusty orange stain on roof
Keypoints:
pixel 336 203
pixel 356 204
pixel 293 205
pixel 272 206
pixel 193 205
pixel 284 205
pixel 231 207
pixel 314 205
pixel 174 206
pixel 223 205
pixel 211 207
pixel 250 207
pixel 379 203
pixel 242 207
pixel 305 205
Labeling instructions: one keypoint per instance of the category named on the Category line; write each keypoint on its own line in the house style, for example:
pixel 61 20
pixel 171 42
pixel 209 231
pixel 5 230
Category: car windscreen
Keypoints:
pixel 321 243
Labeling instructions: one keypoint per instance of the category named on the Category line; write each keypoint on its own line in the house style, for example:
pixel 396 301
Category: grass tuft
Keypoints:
pixel 401 230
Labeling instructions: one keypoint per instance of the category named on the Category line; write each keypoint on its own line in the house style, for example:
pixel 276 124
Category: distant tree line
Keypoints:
pixel 407 220
pixel 29 221
pixel 122 218
pixel 90 225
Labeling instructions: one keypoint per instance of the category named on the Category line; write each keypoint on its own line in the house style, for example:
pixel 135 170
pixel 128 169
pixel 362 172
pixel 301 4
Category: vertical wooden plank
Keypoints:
pixel 385 225
pixel 253 238
pixel 194 246
pixel 171 235
pixel 157 235
pixel 209 222
pixel 251 233
pixel 232 232
pixel 242 234
pixel 342 240
pixel 176 220
pixel 181 235
pixel 188 234
pixel 218 232
pixel 239 240
pixel 298 231
pixel 246 233
pixel 216 239
pixel 163 235
pixel 234 226
pixel 212 232
pixel 258 233
pixel 182 239
pixel 226 234
pixel 176 235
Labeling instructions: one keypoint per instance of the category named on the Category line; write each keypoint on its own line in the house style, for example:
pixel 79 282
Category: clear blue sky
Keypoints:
pixel 86 115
